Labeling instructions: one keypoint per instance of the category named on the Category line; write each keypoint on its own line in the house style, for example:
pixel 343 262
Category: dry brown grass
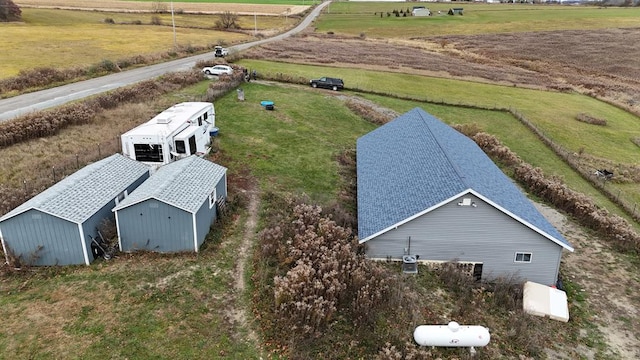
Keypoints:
pixel 185 7
pixel 601 63
pixel 372 54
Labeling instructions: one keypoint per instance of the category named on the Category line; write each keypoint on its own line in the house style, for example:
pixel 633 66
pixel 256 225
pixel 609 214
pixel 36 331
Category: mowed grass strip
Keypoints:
pixel 355 18
pixel 552 112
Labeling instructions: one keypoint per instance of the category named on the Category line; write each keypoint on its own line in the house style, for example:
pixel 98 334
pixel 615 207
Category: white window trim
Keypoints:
pixel 515 258
pixel 212 198
pixel 123 195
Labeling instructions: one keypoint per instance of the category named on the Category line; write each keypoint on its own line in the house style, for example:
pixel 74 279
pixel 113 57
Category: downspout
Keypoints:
pixel 195 232
pixel 84 245
pixel 4 248
pixel 118 231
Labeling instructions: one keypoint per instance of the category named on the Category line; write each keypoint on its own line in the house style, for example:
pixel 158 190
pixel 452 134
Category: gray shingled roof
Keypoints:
pixel 185 184
pixel 416 162
pixel 81 194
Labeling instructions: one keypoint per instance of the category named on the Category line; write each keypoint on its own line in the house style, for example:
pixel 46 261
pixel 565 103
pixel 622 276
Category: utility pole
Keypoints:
pixel 173 24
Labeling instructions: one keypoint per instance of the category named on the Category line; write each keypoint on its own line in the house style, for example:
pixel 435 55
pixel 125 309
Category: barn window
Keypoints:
pixel 523 257
pixel 121 196
pixel 212 198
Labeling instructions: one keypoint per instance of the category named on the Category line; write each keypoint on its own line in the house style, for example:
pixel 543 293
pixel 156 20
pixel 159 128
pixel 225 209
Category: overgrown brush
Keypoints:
pixel 319 281
pixel 610 226
pixel 46 77
pixel 371 112
pixel 586 118
pixel 49 122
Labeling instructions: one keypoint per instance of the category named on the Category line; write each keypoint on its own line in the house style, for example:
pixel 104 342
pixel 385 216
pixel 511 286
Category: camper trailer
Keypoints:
pixel 182 130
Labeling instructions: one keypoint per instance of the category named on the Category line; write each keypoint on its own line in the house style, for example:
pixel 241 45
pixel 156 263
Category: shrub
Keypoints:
pixel 156 20
pixel 591 120
pixel 9 11
pixel 109 21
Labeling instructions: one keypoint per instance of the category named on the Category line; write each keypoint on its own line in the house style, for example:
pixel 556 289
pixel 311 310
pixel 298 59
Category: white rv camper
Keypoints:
pixel 182 130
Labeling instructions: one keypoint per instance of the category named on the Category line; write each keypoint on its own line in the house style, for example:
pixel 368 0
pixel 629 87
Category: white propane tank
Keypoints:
pixel 451 335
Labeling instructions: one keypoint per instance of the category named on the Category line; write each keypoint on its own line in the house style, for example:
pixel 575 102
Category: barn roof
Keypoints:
pixel 184 184
pixel 81 194
pixel 416 163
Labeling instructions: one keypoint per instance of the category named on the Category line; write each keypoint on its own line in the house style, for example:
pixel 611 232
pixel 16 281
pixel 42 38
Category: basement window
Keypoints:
pixel 523 257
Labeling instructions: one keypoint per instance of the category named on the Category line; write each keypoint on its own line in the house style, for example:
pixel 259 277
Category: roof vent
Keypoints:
pixel 467 202
pixel 163 120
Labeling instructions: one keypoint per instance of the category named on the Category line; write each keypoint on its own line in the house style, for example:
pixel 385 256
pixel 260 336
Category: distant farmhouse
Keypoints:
pixel 173 210
pixel 426 190
pixel 57 226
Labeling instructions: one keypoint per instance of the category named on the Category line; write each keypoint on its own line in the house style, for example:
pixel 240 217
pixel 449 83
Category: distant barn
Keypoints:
pixel 174 209
pixel 426 190
pixel 56 227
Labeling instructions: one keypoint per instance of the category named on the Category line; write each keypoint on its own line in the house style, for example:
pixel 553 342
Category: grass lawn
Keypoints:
pixel 355 18
pixel 293 148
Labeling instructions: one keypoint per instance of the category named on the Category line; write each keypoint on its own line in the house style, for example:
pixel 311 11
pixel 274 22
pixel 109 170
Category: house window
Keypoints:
pixel 212 198
pixel 523 257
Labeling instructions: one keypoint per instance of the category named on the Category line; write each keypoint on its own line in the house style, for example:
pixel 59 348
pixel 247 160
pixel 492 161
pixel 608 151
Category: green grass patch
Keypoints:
pixel 293 148
pixel 552 112
pixel 354 18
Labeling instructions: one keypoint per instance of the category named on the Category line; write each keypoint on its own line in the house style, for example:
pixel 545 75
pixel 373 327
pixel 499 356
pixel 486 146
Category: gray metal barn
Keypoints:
pixel 425 189
pixel 174 209
pixel 56 226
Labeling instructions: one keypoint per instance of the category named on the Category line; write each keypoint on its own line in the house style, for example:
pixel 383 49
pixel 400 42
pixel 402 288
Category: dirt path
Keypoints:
pixel 610 286
pixel 239 312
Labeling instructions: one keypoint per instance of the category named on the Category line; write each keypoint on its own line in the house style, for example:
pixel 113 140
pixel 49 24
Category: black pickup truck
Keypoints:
pixel 327 83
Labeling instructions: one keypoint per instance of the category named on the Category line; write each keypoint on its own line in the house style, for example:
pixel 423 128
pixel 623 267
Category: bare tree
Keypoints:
pixel 9 11
pixel 227 20
pixel 159 7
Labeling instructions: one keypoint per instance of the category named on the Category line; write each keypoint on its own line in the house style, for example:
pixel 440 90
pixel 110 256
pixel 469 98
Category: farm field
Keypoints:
pixel 72 38
pixel 192 306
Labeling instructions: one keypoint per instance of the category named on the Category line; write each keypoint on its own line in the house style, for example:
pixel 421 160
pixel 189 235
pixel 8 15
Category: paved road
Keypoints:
pixel 23 104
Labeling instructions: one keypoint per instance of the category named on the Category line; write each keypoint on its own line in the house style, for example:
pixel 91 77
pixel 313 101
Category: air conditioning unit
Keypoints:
pixel 410 264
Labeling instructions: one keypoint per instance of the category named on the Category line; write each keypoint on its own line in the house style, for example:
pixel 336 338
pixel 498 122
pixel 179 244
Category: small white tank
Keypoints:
pixel 451 335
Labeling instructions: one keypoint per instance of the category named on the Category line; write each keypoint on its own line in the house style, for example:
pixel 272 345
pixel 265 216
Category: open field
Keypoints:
pixel 262 7
pixel 182 307
pixel 355 18
pixel 83 38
